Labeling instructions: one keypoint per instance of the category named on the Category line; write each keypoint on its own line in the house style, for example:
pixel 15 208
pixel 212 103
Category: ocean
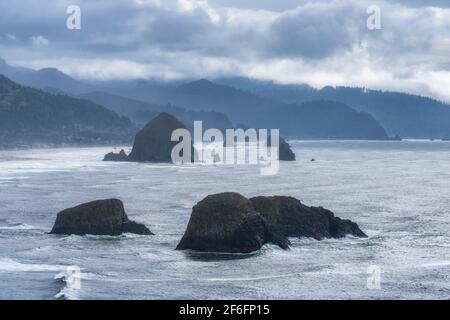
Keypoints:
pixel 397 192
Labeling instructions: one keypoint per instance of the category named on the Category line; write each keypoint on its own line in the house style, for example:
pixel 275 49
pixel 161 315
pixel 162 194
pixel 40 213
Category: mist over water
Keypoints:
pixel 397 192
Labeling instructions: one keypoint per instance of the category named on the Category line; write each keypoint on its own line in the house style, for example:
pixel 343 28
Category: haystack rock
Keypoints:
pixel 101 217
pixel 153 143
pixel 229 222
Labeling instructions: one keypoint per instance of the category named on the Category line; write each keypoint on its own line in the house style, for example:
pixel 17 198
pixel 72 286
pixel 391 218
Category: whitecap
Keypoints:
pixel 10 265
pixel 436 264
pixel 287 275
pixel 70 276
pixel 19 226
pixel 71 280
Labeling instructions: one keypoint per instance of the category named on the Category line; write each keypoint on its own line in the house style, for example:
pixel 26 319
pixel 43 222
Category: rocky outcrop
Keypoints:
pixel 229 222
pixel 285 151
pixel 121 156
pixel 153 143
pixel 226 222
pixel 290 218
pixel 101 217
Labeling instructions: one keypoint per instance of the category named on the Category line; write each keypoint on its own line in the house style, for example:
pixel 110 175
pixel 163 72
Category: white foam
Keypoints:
pixel 20 226
pixel 437 264
pixel 288 275
pixel 70 276
pixel 72 284
pixel 10 265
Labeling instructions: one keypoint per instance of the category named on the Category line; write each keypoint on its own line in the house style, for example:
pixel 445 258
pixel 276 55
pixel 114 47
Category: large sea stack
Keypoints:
pixel 153 143
pixel 226 222
pixel 229 222
pixel 101 217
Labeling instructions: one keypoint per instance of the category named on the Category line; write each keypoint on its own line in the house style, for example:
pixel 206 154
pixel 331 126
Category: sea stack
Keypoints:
pixel 285 151
pixel 226 222
pixel 229 222
pixel 100 217
pixel 153 143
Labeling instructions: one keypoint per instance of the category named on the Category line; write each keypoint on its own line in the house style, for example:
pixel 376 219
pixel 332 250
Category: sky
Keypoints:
pixel 321 42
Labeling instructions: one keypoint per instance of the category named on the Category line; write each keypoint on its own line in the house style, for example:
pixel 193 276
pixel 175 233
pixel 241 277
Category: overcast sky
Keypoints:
pixel 315 42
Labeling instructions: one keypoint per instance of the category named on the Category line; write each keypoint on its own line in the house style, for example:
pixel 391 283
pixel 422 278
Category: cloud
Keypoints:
pixel 39 41
pixel 315 42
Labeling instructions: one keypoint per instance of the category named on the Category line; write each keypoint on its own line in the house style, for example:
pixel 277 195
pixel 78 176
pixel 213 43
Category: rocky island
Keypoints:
pixel 101 217
pixel 152 143
pixel 229 222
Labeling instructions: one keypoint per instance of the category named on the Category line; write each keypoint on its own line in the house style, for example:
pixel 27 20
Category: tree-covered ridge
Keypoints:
pixel 29 116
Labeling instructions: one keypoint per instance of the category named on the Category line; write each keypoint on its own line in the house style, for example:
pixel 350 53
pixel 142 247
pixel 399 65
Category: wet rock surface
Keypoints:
pixel 100 217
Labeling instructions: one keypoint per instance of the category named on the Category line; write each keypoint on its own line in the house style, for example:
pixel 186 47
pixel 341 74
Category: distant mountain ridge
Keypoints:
pixel 314 120
pixel 142 112
pixel 44 78
pixel 407 115
pixel 260 104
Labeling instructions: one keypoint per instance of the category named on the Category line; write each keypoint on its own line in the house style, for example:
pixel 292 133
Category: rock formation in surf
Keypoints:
pixel 229 222
pixel 285 151
pixel 226 222
pixel 290 218
pixel 100 217
pixel 153 143
pixel 121 156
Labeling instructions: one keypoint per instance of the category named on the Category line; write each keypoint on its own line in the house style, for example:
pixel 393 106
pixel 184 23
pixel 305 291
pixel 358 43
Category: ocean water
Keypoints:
pixel 398 193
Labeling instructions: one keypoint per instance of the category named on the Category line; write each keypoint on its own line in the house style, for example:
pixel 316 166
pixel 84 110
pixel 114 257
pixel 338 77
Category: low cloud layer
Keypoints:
pixel 315 42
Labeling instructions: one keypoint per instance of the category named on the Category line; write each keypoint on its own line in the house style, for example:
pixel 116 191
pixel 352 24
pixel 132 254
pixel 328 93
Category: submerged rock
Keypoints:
pixel 229 222
pixel 121 156
pixel 101 217
pixel 153 143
